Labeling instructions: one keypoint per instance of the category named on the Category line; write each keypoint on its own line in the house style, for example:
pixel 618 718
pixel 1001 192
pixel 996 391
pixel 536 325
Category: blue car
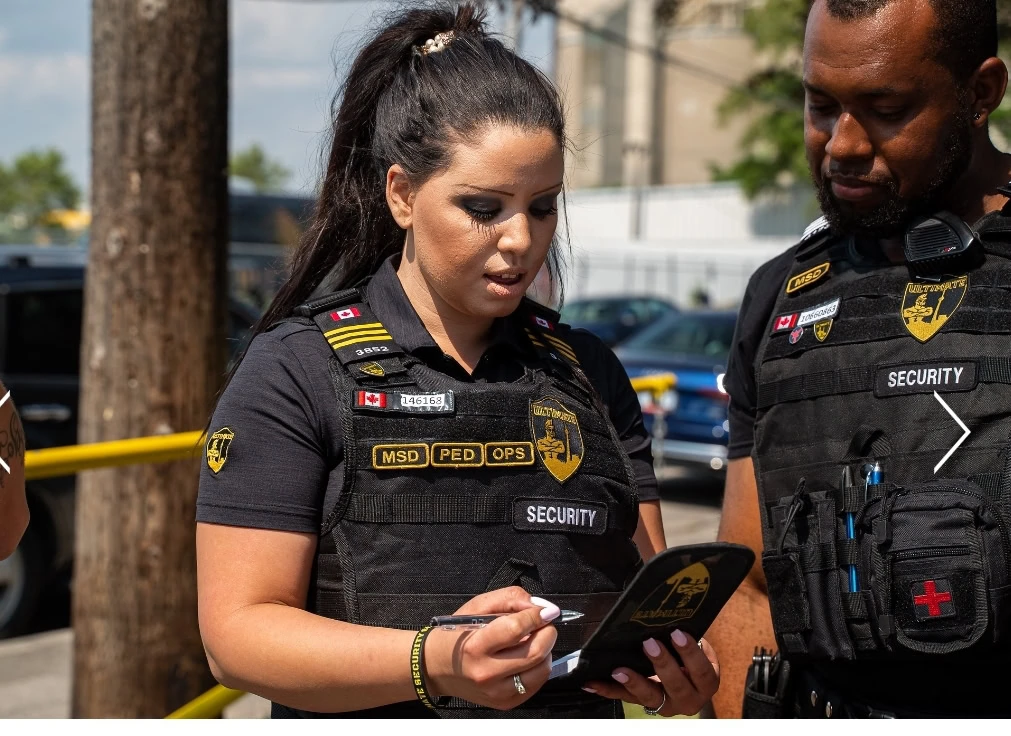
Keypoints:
pixel 694 347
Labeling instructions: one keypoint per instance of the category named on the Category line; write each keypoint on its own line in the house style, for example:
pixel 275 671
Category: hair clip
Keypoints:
pixel 439 43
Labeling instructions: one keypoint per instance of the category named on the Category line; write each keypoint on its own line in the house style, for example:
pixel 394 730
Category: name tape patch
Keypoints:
pixel 924 378
pixel 405 402
pixel 561 515
pixel 788 322
pixel 452 455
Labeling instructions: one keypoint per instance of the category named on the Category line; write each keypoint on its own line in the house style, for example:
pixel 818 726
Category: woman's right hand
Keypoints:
pixel 478 665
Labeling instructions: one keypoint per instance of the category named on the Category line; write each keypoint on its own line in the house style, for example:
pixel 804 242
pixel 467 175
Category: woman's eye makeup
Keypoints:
pixel 545 207
pixel 482 209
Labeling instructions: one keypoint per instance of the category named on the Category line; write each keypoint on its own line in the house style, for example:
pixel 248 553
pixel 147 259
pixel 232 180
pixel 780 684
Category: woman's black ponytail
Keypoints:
pixel 399 105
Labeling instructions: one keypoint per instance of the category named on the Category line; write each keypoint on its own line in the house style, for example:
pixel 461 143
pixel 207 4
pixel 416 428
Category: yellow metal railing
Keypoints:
pixel 57 461
pixel 209 705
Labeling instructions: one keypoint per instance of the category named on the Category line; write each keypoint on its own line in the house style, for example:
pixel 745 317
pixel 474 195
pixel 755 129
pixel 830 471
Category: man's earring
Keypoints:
pixel 977 117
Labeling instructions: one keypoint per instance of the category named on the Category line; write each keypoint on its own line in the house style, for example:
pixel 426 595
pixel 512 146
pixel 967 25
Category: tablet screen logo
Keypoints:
pixel 677 598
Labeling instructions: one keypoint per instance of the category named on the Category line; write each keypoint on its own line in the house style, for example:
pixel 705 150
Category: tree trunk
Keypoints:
pixel 153 350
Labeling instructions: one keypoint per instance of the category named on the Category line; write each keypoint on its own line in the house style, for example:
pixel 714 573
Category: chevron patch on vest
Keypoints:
pixel 802 280
pixel 927 307
pixel 557 438
pixel 676 598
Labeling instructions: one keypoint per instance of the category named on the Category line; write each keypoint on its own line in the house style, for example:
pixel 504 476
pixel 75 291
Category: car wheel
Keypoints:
pixel 21 584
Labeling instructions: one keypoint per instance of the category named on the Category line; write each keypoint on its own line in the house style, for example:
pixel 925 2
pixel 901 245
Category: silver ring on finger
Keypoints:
pixel 518 684
pixel 656 711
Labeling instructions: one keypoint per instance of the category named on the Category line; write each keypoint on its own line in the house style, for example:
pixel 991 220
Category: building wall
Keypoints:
pixel 681 99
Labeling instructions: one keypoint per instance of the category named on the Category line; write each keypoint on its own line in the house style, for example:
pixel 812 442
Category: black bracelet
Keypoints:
pixel 418 667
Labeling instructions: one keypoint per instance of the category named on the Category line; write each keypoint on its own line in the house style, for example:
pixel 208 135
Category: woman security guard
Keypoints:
pixel 424 440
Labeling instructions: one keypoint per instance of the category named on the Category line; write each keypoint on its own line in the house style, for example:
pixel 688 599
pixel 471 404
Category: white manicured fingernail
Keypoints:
pixel 620 677
pixel 652 647
pixel 549 611
pixel 590 690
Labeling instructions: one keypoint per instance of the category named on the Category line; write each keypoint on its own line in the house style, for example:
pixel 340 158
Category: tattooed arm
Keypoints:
pixel 13 504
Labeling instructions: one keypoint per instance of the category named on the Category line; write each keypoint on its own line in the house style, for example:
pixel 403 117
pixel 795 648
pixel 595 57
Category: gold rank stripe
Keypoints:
pixel 563 348
pixel 353 328
pixel 533 338
pixel 354 340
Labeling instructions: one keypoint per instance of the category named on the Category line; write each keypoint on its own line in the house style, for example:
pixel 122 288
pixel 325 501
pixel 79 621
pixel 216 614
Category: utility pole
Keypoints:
pixel 153 348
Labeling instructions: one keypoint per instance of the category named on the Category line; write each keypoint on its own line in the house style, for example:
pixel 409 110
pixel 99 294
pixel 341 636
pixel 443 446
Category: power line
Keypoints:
pixel 548 7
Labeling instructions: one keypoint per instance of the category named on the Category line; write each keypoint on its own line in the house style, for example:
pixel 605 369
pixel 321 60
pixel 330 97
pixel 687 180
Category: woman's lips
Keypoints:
pixel 506 285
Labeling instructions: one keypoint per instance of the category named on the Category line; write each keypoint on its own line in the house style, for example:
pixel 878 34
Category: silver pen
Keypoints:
pixel 477 622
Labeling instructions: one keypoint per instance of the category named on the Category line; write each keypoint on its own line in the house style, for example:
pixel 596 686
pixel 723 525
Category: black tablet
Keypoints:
pixel 680 588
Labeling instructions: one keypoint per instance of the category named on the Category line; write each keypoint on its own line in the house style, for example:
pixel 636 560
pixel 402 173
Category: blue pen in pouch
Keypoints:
pixel 847 482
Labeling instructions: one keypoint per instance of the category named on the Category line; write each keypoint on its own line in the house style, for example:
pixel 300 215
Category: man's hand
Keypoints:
pixel 745 622
pixel 13 503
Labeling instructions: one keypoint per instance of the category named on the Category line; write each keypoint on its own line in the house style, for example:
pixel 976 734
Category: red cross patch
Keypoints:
pixel 932 599
pixel 372 399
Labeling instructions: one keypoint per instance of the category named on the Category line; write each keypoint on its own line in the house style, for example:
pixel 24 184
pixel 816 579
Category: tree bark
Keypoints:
pixel 153 350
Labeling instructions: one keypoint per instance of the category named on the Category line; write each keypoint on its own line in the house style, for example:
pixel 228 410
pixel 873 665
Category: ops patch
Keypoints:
pixel 217 449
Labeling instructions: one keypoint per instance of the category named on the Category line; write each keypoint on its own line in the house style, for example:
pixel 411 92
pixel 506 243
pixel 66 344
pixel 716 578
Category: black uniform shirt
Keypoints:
pixel 756 310
pixel 284 464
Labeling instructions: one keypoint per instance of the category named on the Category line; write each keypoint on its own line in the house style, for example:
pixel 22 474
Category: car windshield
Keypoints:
pixel 708 335
pixel 608 310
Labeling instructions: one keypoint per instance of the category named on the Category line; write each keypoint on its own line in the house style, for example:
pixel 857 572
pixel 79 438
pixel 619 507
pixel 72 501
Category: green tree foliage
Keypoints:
pixel 772 146
pixel 252 164
pixel 33 185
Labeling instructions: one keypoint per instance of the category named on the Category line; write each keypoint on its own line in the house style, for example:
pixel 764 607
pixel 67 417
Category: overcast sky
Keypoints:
pixel 283 75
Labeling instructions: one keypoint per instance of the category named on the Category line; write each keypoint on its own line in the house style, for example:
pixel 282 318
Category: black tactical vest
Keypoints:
pixel 452 489
pixel 862 364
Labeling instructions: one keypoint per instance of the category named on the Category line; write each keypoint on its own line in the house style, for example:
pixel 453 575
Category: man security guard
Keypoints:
pixel 871 388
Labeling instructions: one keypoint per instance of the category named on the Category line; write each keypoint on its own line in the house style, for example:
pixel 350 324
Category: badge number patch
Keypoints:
pixel 217 449
pixel 404 402
pixel 927 307
pixel 801 280
pixel 675 599
pixel 557 438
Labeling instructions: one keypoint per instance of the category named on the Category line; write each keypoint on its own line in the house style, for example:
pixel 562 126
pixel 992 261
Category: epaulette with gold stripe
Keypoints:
pixel 541 326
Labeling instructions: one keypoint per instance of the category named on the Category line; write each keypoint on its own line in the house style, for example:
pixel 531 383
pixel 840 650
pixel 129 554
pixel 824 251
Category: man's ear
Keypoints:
pixel 988 84
pixel 400 196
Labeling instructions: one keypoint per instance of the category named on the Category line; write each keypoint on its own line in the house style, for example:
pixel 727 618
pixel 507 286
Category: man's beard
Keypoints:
pixel 894 214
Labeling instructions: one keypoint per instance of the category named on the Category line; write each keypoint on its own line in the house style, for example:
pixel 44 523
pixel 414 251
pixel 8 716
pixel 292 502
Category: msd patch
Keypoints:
pixel 803 280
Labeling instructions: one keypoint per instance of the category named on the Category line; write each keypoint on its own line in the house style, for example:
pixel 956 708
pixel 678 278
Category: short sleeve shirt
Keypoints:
pixel 756 310
pixel 284 461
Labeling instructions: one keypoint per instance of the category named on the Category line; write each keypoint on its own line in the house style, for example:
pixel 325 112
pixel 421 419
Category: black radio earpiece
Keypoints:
pixel 941 244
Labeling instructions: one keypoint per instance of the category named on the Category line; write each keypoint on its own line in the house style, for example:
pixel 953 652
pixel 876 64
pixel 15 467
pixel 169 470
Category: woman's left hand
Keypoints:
pixel 681 690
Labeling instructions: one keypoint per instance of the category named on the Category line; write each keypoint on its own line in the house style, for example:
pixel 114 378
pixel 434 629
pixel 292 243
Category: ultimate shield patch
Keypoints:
pixel 372 369
pixel 927 307
pixel 217 449
pixel 557 438
pixel 821 329
pixel 801 280
pixel 676 599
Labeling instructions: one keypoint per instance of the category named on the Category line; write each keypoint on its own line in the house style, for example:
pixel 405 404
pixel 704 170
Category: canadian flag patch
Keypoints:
pixel 348 313
pixel 372 399
pixel 785 322
pixel 541 322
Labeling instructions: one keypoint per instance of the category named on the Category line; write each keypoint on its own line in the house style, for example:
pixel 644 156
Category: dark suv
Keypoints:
pixel 41 297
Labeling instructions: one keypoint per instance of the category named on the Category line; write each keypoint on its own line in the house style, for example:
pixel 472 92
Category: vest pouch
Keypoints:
pixel 804 579
pixel 936 560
